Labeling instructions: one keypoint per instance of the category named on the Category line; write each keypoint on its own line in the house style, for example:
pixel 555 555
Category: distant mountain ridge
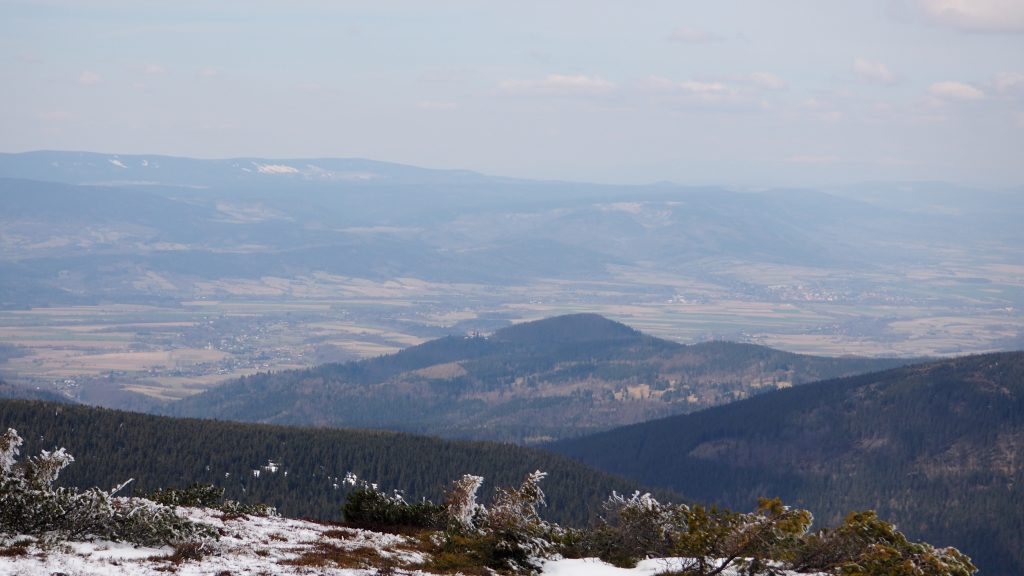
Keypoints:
pixel 935 447
pixel 552 378
pixel 93 168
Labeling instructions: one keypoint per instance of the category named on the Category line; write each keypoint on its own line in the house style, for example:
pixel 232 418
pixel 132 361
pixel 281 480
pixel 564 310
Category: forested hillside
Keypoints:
pixel 553 378
pixel 11 391
pixel 936 448
pixel 298 470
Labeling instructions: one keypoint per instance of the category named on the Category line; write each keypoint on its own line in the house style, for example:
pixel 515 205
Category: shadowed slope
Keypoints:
pixel 935 447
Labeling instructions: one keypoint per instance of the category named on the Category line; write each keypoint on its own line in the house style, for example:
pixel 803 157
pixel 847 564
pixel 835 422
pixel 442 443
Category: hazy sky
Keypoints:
pixel 756 93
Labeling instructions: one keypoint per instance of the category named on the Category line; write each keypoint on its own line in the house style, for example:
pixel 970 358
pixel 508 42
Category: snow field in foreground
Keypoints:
pixel 248 546
pixel 253 545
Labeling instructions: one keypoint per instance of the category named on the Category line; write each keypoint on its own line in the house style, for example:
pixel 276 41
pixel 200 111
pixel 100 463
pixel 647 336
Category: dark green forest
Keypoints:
pixel 112 446
pixel 936 448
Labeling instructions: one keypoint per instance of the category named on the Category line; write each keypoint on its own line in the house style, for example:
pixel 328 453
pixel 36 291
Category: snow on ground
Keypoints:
pixel 247 546
pixel 251 546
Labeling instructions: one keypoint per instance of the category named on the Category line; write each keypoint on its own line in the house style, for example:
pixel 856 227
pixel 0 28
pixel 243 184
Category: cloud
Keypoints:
pixel 732 93
pixel 976 15
pixel 872 72
pixel 1009 82
pixel 558 85
pixel 693 87
pixel 952 90
pixel 767 81
pixel 691 36
pixel 89 78
pixel 208 72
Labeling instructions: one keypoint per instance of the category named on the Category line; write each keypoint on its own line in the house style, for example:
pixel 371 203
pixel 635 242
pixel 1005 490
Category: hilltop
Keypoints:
pixel 551 378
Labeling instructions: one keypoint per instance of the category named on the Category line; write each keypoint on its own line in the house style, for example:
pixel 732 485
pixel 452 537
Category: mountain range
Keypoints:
pixel 190 218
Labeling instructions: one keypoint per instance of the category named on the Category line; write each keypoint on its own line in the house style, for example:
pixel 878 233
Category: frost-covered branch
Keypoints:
pixel 30 504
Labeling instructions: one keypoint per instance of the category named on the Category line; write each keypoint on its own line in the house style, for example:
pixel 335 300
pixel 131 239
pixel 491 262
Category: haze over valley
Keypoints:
pixel 163 276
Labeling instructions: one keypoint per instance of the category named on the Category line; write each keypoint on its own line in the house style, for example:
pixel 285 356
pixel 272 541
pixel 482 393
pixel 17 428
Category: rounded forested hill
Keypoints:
pixel 567 329
pixel 112 446
pixel 553 378
pixel 937 448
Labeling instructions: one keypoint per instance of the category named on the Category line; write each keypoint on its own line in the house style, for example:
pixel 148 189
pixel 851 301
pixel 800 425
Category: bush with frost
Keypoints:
pixel 199 495
pixel 31 504
pixel 510 535
pixel 368 506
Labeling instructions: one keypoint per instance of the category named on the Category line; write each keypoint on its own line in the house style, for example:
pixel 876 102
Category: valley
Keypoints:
pixel 230 329
pixel 130 280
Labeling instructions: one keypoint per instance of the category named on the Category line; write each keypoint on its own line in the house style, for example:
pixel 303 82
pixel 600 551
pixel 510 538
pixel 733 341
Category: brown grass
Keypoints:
pixel 459 555
pixel 324 554
pixel 16 549
pixel 186 551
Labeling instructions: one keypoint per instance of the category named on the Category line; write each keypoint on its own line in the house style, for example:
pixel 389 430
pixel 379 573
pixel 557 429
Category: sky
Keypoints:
pixel 742 93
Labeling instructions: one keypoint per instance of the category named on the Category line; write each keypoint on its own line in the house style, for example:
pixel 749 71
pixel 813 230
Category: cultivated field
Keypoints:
pixel 229 329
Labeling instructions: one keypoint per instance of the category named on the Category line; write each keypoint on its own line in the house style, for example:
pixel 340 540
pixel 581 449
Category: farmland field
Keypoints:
pixel 167 352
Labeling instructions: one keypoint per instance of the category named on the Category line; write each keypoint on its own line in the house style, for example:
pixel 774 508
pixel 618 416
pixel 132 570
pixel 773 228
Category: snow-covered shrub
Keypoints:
pixel 237 508
pixel 30 504
pixel 513 521
pixel 143 522
pixel 208 496
pixel 10 443
pixel 715 539
pixel 710 539
pixel 510 536
pixel 633 528
pixel 368 506
pixel 196 495
pixel 463 512
pixel 864 544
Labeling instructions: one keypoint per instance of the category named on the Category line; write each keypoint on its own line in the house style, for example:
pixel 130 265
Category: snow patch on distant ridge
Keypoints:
pixel 311 172
pixel 275 169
